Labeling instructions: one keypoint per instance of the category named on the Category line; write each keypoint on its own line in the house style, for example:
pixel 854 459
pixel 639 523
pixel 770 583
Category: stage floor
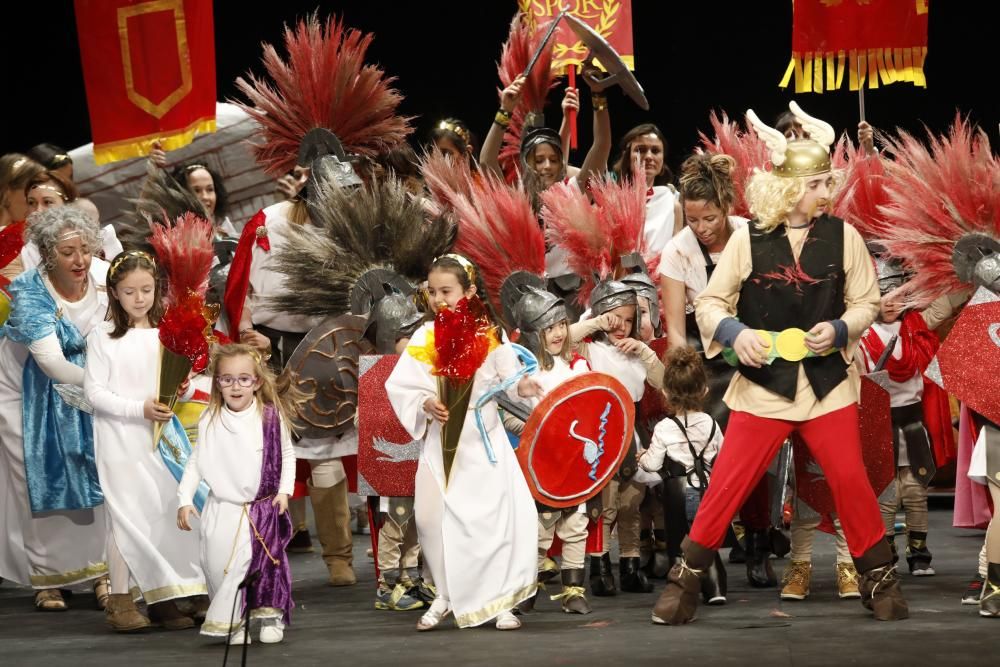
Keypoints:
pixel 339 626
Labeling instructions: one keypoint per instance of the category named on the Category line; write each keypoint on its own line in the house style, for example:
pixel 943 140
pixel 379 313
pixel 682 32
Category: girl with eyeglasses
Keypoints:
pixel 245 455
pixel 120 381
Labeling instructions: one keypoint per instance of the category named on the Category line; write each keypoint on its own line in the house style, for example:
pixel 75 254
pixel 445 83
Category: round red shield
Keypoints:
pixel 576 439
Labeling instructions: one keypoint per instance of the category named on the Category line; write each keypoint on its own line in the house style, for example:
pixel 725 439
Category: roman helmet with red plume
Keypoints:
pixel 324 83
pixel 943 212
pixel 596 236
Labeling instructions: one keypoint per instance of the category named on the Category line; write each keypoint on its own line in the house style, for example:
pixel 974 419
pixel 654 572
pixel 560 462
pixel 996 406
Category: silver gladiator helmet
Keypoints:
pixel 610 294
pixel 394 316
pixel 640 281
pixel 889 270
pixel 536 311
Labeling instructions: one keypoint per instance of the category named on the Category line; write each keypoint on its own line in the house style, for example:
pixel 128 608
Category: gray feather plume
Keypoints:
pixel 352 232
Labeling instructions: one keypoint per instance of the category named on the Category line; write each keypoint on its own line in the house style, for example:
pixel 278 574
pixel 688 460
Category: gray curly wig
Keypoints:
pixel 45 228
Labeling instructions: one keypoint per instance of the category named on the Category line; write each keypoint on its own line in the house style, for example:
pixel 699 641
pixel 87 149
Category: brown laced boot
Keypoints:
pixel 847 581
pixel 678 602
pixel 879 587
pixel 333 527
pixel 795 582
pixel 122 614
pixel 167 614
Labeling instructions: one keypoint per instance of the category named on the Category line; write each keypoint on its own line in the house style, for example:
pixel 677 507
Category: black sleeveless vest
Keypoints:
pixel 778 295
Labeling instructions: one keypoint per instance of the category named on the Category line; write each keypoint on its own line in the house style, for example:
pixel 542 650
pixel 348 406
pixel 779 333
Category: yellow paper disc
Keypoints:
pixel 765 337
pixel 791 344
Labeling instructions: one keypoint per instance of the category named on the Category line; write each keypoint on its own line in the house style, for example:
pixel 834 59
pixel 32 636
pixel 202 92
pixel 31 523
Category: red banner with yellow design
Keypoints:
pixel 611 19
pixel 149 70
pixel 878 41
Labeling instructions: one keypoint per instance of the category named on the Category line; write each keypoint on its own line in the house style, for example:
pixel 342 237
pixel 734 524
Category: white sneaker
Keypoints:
pixel 237 637
pixel 508 621
pixel 924 572
pixel 271 634
pixel 439 609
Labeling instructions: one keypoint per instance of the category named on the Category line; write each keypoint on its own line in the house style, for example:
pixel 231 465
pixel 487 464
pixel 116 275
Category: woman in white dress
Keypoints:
pixel 643 155
pixel 52 512
pixel 477 528
pixel 139 491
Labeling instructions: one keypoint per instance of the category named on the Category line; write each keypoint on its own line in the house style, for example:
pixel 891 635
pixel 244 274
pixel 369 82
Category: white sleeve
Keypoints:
pixel 715 444
pixel 652 459
pixel 95 382
pixel 191 477
pixel 287 483
pixel 49 356
pixel 409 385
pixel 109 242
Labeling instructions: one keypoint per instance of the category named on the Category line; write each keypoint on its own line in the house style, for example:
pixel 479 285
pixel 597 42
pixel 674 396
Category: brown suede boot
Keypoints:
pixel 122 615
pixel 333 527
pixel 167 615
pixel 879 586
pixel 678 602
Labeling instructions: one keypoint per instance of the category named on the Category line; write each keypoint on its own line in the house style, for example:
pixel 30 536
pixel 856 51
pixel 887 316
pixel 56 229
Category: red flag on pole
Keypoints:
pixel 149 70
pixel 879 41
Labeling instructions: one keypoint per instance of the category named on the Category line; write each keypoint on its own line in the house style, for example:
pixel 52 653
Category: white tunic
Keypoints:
pixel 53 549
pixel 660 222
pixel 683 261
pixel 478 534
pixel 266 282
pixel 669 442
pixel 139 491
pixel 627 369
pixel 228 457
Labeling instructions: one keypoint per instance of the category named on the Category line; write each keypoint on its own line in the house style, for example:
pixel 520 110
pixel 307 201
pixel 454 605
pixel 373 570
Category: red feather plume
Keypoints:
pixel 862 195
pixel 744 146
pixel 446 179
pixel 324 83
pixel 498 231
pixel 937 194
pixel 185 251
pixel 522 42
pixel 596 236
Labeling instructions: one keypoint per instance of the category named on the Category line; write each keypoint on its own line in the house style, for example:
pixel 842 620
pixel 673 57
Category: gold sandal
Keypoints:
pixel 102 591
pixel 50 599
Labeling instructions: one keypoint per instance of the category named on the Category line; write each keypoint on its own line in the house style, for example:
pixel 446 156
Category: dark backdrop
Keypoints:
pixel 691 57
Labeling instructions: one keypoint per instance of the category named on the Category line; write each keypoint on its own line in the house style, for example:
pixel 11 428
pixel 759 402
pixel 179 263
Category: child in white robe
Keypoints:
pixel 245 455
pixel 120 381
pixel 476 525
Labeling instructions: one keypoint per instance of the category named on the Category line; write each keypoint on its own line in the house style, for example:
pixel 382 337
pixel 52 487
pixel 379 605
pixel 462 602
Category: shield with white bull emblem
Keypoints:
pixel 387 455
pixel 575 440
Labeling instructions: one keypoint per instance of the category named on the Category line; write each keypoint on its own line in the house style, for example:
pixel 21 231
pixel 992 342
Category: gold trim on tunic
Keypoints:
pixel 67 578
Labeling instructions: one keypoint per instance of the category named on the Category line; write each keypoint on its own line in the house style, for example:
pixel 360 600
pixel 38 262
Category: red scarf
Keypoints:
pixel 238 282
pixel 917 342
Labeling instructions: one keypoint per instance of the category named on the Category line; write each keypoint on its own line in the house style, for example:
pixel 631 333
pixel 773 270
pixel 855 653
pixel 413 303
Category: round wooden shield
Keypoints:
pixel 576 438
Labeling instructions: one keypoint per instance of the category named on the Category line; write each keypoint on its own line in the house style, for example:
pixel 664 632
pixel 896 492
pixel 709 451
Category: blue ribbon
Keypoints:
pixel 175 448
pixel 530 366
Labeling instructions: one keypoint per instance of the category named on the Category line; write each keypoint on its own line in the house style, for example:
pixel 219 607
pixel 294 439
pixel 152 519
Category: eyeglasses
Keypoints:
pixel 242 380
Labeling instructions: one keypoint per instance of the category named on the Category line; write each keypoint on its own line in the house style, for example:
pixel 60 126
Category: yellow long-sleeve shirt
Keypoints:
pixel 719 301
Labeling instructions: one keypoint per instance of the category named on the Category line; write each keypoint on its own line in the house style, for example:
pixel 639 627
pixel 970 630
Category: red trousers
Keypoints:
pixel 751 443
